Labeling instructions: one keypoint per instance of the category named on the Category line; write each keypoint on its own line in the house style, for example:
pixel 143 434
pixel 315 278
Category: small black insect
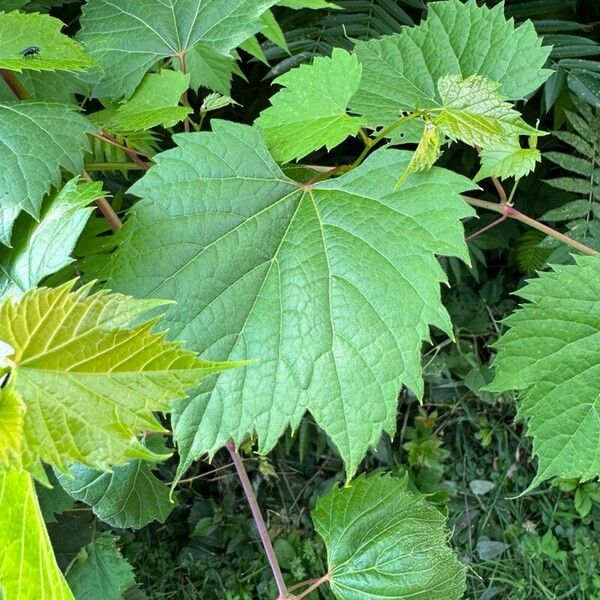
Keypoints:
pixel 30 51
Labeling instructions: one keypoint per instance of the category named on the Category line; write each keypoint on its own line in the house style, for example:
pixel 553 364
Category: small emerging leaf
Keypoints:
pixel 426 154
pixel 473 111
pixel 386 542
pixel 507 160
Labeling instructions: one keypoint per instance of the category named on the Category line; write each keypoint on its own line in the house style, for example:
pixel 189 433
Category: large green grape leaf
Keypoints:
pixel 28 569
pixel 552 353
pixel 129 496
pixel 330 287
pixel 40 248
pixel 386 542
pixel 129 37
pixel 155 102
pixel 19 31
pixel 311 110
pixel 36 140
pixel 99 572
pixel 89 384
pixel 401 71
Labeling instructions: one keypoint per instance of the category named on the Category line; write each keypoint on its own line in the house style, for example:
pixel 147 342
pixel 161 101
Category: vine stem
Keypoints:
pixel 314 584
pixel 258 519
pixel 132 154
pixel 511 212
pixel 184 97
pixel 106 209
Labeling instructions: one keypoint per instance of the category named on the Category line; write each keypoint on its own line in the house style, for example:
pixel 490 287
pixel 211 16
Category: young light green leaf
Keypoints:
pixel 28 569
pixel 129 37
pixel 36 140
pixel 314 4
pixel 507 160
pixel 155 102
pixel 311 110
pixel 552 353
pixel 89 384
pixel 50 50
pixel 210 69
pixel 304 279
pixel 99 572
pixel 386 542
pixel 474 112
pixel 40 248
pixel 215 102
pixel 128 496
pixel 426 153
pixel 401 71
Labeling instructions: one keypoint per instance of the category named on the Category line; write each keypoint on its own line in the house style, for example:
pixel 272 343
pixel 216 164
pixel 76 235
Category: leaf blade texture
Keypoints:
pixel 401 71
pixel 130 496
pixel 551 353
pixel 282 284
pixel 311 110
pixel 28 569
pixel 55 51
pixel 100 572
pixel 128 38
pixel 37 139
pixel 74 357
pixel 40 248
pixel 386 542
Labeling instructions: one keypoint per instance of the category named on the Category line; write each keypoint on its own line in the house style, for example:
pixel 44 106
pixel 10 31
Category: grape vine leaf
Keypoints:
pixel 473 111
pixel 59 86
pixel 552 354
pixel 155 102
pixel 19 31
pixel 99 572
pixel 311 110
pixel 128 38
pixel 401 71
pixel 36 140
pixel 28 569
pixel 386 542
pixel 507 160
pixel 128 496
pixel 305 279
pixel 210 69
pixel 89 384
pixel 40 248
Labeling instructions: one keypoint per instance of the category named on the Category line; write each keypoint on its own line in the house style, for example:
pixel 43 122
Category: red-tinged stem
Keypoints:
pixel 258 519
pixel 488 226
pixel 106 209
pixel 14 84
pixel 314 584
pixel 509 211
pixel 132 154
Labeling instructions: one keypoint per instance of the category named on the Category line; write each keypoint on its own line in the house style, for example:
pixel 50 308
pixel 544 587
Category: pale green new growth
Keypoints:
pixel 305 280
pixel 552 353
pixel 28 569
pixel 385 542
pixel 401 71
pixel 40 248
pixel 507 160
pixel 426 153
pixel 128 496
pixel 37 139
pixel 129 37
pixel 473 111
pixel 19 31
pixel 89 384
pixel 311 110
pixel 155 102
pixel 100 572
